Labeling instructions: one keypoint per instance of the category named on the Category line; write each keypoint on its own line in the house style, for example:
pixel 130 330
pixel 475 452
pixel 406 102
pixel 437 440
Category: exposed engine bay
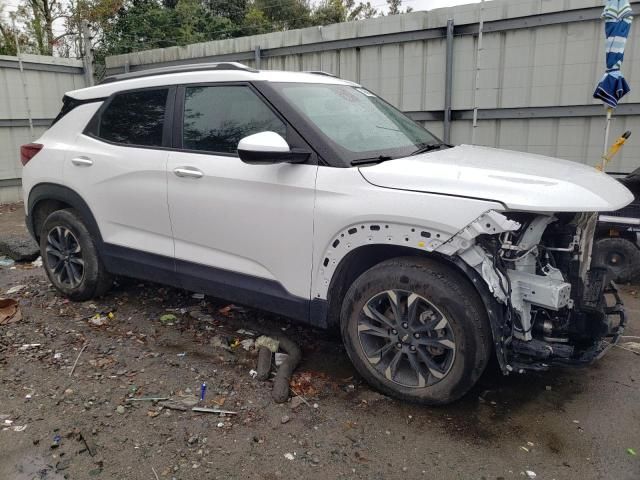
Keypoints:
pixel 554 303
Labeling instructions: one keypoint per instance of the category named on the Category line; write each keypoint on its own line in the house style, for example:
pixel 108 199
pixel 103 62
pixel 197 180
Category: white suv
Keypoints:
pixel 311 197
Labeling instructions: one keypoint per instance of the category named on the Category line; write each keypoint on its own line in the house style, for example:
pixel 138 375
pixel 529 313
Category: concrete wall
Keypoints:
pixel 536 53
pixel 36 94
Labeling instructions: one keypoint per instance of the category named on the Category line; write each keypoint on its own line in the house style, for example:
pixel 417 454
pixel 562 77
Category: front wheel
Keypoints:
pixel 416 330
pixel 70 257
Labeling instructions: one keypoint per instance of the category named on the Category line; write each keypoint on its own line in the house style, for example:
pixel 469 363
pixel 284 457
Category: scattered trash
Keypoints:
pixel 16 289
pixel 227 311
pixel 632 452
pixel 525 449
pixel 28 346
pixel 242 331
pixel 57 356
pixel 56 441
pixel 100 320
pixel 9 311
pixel 89 443
pixel 198 296
pixel 168 319
pixel 19 428
pixel 280 392
pixel 147 399
pixel 203 391
pixel 220 424
pixel 213 410
pixel 120 409
pixel 531 474
pixel 73 368
pixel 220 342
pixel 268 342
pixel 247 344
pixel 264 364
pixel 280 358
pixel 253 373
pixel 289 456
pixel 37 262
pixel 181 355
pixel 6 262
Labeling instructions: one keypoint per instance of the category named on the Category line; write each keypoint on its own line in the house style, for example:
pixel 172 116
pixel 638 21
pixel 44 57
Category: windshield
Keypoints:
pixel 359 123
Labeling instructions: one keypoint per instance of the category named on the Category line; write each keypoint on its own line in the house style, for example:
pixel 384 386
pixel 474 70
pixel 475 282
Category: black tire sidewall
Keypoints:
pixel 625 271
pixel 93 269
pixel 448 291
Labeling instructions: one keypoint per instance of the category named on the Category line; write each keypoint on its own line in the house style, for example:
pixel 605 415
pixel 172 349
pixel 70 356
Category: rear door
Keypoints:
pixel 239 228
pixel 118 166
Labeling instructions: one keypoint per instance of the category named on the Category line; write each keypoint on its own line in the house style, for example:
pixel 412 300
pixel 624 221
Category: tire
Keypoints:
pixel 70 257
pixel 620 256
pixel 449 317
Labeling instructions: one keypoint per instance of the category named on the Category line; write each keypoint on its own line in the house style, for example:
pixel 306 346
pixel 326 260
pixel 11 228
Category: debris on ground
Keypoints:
pixel 268 342
pixel 168 319
pixel 6 262
pixel 37 262
pixel 213 410
pixel 289 456
pixel 253 373
pixel 530 474
pixel 247 343
pixel 9 311
pixel 15 290
pixel 631 452
pixel 264 364
pixel 280 392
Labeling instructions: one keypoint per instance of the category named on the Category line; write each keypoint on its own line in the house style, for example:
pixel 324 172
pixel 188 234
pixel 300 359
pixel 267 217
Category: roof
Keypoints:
pixel 198 73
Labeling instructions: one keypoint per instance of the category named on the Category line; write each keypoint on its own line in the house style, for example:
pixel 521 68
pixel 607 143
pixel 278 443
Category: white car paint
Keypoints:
pixel 251 219
pixel 520 181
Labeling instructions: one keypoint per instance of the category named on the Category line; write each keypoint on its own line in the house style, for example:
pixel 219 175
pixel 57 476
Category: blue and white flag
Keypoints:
pixel 618 17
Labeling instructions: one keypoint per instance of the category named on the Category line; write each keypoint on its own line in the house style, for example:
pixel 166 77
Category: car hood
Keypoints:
pixel 520 181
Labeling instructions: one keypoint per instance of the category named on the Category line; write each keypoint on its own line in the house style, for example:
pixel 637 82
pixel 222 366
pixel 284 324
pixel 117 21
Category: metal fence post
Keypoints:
pixel 448 83
pixel 24 79
pixel 256 53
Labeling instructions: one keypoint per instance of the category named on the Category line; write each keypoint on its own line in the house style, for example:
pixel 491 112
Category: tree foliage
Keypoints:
pixel 124 26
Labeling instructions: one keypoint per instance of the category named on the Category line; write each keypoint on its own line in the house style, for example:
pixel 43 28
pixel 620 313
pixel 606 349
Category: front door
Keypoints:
pixel 242 232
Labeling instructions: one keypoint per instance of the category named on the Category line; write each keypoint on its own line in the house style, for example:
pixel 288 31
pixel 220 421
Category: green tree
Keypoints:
pixel 286 14
pixel 395 7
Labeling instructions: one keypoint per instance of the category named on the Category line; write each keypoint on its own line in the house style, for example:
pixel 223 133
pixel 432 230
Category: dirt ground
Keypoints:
pixel 565 424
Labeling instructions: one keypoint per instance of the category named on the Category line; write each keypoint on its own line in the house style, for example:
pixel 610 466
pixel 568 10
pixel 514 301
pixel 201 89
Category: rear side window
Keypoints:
pixel 216 118
pixel 135 118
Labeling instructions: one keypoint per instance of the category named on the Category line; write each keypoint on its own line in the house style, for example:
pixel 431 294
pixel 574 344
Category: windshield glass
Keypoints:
pixel 361 124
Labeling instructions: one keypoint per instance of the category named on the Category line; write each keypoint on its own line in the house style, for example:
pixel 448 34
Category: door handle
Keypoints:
pixel 188 172
pixel 82 162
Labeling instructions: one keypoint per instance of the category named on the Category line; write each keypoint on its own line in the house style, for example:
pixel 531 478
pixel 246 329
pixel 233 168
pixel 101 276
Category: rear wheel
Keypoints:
pixel 620 256
pixel 416 330
pixel 70 257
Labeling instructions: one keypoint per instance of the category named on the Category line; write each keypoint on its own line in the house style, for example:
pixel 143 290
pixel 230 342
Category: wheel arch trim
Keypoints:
pixel 53 191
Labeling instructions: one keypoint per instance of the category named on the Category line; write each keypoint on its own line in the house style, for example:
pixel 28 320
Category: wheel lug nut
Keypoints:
pixel 395 332
pixel 399 345
pixel 416 335
pixel 413 349
pixel 405 325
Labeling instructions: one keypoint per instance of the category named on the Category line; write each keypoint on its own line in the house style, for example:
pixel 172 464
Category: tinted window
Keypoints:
pixel 135 118
pixel 217 118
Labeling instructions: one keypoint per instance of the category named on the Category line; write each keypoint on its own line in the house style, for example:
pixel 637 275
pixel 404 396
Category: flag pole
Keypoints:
pixel 607 129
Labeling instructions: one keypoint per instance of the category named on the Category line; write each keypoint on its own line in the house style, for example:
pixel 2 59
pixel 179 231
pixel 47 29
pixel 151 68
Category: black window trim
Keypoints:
pixel 92 128
pixel 293 137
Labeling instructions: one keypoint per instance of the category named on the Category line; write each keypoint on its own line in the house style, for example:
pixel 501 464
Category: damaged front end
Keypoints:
pixel 554 307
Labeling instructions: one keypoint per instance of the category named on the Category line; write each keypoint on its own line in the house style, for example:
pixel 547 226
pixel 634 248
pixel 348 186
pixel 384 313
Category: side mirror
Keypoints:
pixel 266 148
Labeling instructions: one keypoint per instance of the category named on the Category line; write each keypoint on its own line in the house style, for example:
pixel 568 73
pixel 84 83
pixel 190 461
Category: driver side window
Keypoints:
pixel 216 118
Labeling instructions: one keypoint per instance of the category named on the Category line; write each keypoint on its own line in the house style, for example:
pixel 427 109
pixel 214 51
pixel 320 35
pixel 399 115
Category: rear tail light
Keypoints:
pixel 28 151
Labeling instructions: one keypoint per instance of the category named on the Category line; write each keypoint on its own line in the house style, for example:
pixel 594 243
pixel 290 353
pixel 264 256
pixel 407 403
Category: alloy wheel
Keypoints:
pixel 406 338
pixel 64 257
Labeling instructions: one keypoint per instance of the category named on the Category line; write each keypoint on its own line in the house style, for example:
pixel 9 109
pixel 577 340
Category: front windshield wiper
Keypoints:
pixel 428 147
pixel 373 160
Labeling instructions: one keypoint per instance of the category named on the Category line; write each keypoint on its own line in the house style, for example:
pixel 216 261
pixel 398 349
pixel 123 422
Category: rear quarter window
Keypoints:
pixel 134 118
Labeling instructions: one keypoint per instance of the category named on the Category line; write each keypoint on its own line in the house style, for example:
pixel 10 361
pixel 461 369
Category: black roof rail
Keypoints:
pixel 192 67
pixel 320 72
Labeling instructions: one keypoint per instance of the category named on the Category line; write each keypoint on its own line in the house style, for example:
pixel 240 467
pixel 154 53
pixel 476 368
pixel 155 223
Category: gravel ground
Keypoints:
pixel 565 424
